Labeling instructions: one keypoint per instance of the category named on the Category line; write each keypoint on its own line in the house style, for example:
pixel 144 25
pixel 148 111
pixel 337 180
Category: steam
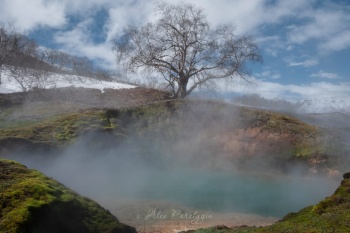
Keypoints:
pixel 179 158
pixel 180 168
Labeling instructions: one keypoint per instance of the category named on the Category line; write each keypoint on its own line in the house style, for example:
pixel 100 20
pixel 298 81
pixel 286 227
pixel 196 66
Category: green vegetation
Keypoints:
pixel 296 138
pixel 303 136
pixel 330 215
pixel 277 122
pixel 281 135
pixel 32 202
pixel 58 130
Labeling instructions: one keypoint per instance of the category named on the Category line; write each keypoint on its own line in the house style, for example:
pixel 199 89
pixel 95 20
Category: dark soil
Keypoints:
pixel 87 98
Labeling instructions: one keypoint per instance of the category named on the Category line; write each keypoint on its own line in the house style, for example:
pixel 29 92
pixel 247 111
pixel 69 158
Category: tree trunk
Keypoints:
pixel 0 74
pixel 182 91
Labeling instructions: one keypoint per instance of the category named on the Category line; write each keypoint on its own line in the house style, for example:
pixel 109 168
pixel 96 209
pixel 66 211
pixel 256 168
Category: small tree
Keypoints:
pixel 27 68
pixel 9 44
pixel 82 66
pixel 56 59
pixel 181 47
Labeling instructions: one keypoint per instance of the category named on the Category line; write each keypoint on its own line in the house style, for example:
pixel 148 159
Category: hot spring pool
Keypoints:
pixel 220 191
pixel 266 195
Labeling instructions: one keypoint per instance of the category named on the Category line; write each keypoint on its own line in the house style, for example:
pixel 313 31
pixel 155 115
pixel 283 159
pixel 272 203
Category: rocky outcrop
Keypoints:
pixel 31 202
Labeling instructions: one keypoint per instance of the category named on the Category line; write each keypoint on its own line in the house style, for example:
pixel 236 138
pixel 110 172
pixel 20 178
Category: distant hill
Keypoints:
pixel 325 105
pixel 25 60
pixel 31 202
pixel 336 104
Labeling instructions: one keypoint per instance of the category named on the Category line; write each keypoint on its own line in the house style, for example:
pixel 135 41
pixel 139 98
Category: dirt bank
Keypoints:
pixel 165 217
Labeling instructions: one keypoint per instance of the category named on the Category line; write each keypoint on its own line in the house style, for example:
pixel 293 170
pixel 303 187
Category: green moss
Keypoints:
pixel 59 130
pixel 304 140
pixel 170 120
pixel 31 202
pixel 277 122
pixel 171 115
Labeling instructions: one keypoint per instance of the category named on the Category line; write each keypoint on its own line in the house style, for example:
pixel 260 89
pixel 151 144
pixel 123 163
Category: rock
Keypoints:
pixel 32 202
pixel 346 175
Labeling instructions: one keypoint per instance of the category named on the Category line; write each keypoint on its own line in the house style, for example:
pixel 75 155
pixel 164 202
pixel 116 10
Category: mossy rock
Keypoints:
pixel 55 132
pixel 30 202
pixel 346 175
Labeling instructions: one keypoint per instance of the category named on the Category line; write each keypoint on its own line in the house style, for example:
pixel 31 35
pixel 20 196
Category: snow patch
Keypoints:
pixel 10 85
pixel 326 105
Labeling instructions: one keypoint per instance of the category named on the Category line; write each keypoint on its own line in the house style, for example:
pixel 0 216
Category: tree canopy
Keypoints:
pixel 181 47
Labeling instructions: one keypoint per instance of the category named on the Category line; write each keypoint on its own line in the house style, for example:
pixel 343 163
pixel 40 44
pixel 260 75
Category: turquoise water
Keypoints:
pixel 220 191
pixel 234 192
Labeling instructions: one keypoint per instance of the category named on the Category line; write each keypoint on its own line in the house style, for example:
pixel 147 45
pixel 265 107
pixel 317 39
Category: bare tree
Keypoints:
pixel 9 44
pixel 32 67
pixel 82 66
pixel 56 59
pixel 23 76
pixel 66 63
pixel 28 78
pixel 102 74
pixel 181 47
pixel 27 68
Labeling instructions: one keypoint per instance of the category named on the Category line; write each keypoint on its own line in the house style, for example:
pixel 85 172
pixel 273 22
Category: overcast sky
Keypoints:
pixel 305 43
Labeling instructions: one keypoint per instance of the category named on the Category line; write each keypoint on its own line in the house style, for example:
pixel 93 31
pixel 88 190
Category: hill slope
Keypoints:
pixel 32 202
pixel 214 133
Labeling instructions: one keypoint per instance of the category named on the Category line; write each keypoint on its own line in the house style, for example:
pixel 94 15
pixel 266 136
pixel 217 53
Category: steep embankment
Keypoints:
pixel 330 215
pixel 208 133
pixel 32 202
pixel 47 119
pixel 216 134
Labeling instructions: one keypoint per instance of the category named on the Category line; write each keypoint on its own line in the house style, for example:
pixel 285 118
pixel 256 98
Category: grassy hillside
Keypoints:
pixel 205 133
pixel 56 130
pixel 216 128
pixel 330 215
pixel 62 127
pixel 31 202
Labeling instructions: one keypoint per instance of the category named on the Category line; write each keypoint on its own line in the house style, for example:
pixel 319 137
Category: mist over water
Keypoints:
pixel 172 156
pixel 125 172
